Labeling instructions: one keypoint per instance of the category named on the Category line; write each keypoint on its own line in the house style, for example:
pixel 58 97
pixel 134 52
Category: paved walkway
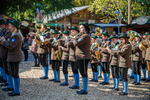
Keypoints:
pixel 32 88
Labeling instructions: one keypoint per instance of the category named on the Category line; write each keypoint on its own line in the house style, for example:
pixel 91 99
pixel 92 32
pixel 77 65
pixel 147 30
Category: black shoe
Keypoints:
pixel 143 79
pixel 52 79
pixel 71 76
pixel 5 84
pixel 99 76
pixel 82 92
pixel 74 87
pixel 116 89
pixel 14 94
pixel 3 81
pixel 102 83
pixel 137 84
pixel 147 80
pixel 11 92
pixel 105 83
pixel 56 81
pixel 112 88
pixel 134 83
pixel 43 77
pixel 95 80
pixel 123 93
pixel 8 89
pixel 64 84
pixel 92 80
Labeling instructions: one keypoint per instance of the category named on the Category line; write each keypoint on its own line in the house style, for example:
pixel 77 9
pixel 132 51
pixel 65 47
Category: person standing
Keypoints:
pixel 25 46
pixel 4 52
pixel 105 58
pixel 137 59
pixel 53 44
pixel 148 55
pixel 114 61
pixel 83 44
pixel 94 61
pixel 43 50
pixel 65 57
pixel 34 48
pixel 72 57
pixel 124 52
pixel 13 44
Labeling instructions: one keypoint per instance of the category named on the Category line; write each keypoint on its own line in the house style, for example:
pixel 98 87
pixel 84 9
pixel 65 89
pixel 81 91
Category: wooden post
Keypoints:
pixel 129 11
pixel 65 22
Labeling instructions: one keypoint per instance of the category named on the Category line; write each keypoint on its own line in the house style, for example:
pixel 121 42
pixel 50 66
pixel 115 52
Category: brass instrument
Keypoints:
pixel 98 30
pixel 58 52
pixel 143 45
pixel 38 28
pixel 131 33
pixel 97 53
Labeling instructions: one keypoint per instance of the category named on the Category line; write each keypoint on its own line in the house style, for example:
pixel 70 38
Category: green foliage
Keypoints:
pixel 106 8
pixel 26 9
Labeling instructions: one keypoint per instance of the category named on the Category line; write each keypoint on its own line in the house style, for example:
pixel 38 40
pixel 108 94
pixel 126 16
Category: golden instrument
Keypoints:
pixel 98 30
pixel 58 52
pixel 97 53
pixel 38 28
pixel 143 45
pixel 131 33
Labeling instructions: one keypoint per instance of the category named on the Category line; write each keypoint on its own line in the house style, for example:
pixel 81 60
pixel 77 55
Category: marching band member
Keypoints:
pixel 114 61
pixel 83 54
pixel 94 61
pixel 13 44
pixel 137 59
pixel 2 31
pixel 65 57
pixel 148 55
pixel 99 66
pixel 124 53
pixel 72 58
pixel 105 58
pixel 4 51
pixel 54 58
pixel 43 51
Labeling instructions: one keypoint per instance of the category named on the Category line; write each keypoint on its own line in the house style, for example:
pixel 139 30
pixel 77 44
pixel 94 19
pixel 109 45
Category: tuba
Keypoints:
pixel 131 33
pixel 98 30
pixel 38 27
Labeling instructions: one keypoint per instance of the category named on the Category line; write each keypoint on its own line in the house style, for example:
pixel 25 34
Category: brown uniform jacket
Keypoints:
pixel 83 45
pixel 2 32
pixel 43 48
pixel 104 54
pixel 137 53
pixel 148 51
pixel 65 51
pixel 14 44
pixel 93 55
pixel 124 56
pixel 113 58
pixel 4 50
pixel 34 46
pixel 71 52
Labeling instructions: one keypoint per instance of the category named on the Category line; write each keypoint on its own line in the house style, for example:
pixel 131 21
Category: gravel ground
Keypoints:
pixel 32 88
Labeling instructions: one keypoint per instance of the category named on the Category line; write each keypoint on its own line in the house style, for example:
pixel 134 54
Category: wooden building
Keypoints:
pixel 71 17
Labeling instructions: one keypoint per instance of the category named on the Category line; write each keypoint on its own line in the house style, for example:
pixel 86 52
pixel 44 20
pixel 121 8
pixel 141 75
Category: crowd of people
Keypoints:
pixel 79 48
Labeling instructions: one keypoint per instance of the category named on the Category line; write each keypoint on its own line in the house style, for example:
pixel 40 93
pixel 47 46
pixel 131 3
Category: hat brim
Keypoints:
pixel 74 29
pixel 124 37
